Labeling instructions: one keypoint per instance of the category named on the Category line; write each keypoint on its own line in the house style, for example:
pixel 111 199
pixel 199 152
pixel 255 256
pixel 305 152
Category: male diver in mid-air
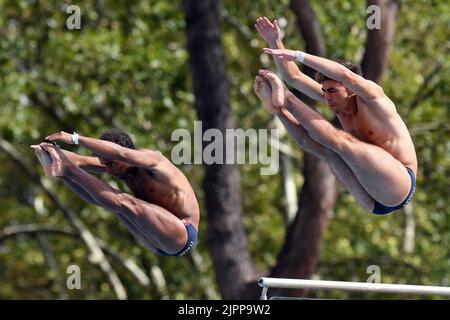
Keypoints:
pixel 373 156
pixel 163 212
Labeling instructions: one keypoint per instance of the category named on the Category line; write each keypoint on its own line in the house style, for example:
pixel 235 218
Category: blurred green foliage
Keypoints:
pixel 128 67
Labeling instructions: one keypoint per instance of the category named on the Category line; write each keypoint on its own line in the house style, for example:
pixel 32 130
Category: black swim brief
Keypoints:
pixel 382 209
pixel 192 238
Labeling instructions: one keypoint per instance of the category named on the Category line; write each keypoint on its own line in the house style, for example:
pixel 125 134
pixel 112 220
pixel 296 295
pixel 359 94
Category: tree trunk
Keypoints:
pixel 379 41
pixel 301 250
pixel 225 236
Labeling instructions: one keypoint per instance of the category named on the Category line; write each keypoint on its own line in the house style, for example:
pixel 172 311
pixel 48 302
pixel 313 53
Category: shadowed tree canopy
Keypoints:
pixel 151 67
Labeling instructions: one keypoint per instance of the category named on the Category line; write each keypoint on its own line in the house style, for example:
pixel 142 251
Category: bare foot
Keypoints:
pixel 264 92
pixel 45 159
pixel 278 97
pixel 59 160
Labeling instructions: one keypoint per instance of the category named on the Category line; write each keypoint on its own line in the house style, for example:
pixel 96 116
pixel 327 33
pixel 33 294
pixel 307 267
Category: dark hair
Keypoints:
pixel 118 136
pixel 320 77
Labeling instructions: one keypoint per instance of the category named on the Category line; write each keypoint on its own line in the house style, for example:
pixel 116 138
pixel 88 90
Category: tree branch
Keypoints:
pixel 130 265
pixel 159 282
pixel 235 22
pixel 309 27
pixel 97 256
pixel 52 264
pixel 428 126
pixel 410 229
pixel 425 89
pixel 197 263
pixel 290 189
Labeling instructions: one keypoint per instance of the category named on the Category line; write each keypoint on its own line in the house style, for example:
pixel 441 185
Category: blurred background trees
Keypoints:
pixel 131 66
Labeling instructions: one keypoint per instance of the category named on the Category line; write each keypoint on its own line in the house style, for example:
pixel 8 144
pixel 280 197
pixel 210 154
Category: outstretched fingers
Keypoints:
pixel 275 24
pixel 269 31
pixel 283 54
pixel 274 52
pixel 266 23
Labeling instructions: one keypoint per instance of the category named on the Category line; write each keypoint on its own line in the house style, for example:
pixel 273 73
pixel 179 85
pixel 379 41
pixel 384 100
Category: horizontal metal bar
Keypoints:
pixel 352 286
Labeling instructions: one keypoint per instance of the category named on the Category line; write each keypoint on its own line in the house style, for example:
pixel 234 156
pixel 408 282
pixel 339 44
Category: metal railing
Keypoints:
pixel 267 283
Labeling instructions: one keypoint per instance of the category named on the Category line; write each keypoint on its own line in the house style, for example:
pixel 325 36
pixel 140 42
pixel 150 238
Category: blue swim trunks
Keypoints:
pixel 381 209
pixel 192 238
